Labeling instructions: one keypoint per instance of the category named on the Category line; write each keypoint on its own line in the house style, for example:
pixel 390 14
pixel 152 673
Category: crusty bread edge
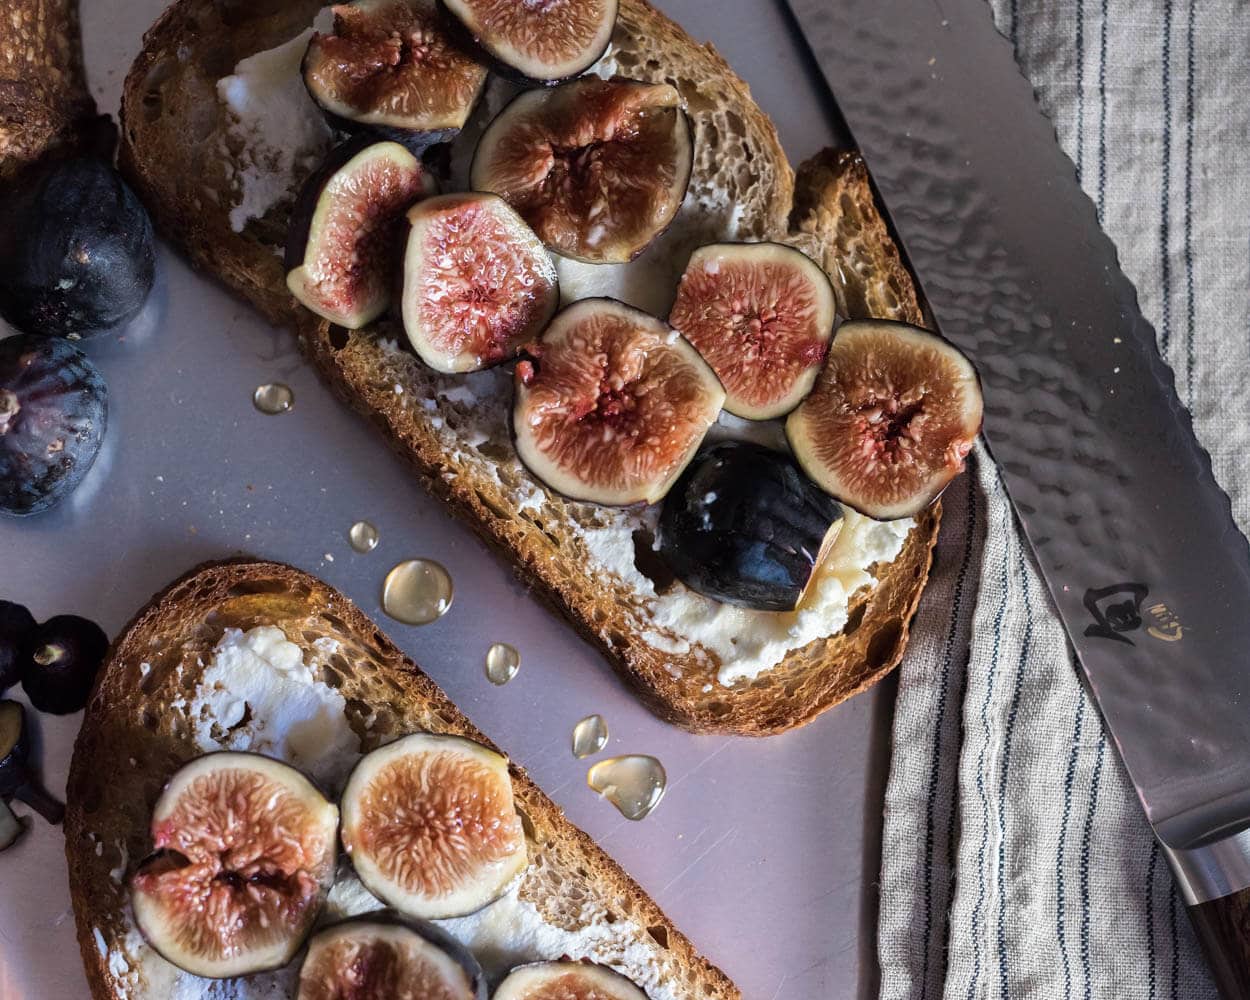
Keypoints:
pixel 98 715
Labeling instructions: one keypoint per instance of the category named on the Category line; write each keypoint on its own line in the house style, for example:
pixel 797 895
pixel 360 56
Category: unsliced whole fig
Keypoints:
pixel 53 414
pixel 892 417
pixel 566 981
pixel 382 956
pixel 761 314
pixel 543 40
pixel 347 227
pixel 477 282
pixel 77 250
pixel 612 404
pixel 745 526
pixel 60 661
pixel 16 623
pixel 430 825
pixel 597 168
pixel 244 855
pixel 391 67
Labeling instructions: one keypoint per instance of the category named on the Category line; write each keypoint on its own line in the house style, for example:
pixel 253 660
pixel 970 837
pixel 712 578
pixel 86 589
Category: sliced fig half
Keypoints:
pixel 566 981
pixel 245 850
pixel 892 417
pixel 613 404
pixel 477 282
pixel 382 957
pixel 346 230
pixel 761 314
pixel 544 40
pixel 390 66
pixel 598 168
pixel 431 827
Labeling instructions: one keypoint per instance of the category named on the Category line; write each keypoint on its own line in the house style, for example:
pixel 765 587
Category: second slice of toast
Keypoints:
pixel 453 431
pixel 150 713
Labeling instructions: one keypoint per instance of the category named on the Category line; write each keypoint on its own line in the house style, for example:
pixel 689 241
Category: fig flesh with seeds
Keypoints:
pixel 391 67
pixel 477 282
pixel 597 168
pixel 762 315
pixel 244 855
pixel 431 827
pixel 891 419
pixel 542 40
pixel 612 405
pixel 566 981
pixel 347 227
pixel 382 956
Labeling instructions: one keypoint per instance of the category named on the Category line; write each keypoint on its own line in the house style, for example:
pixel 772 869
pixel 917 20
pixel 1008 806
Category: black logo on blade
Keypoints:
pixel 1115 610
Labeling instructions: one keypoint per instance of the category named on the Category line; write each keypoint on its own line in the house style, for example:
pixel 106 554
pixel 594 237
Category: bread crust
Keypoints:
pixel 833 216
pixel 133 738
pixel 44 103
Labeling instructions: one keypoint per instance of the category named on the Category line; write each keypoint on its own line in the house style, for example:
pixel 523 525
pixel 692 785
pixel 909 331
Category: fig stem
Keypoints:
pixel 49 653
pixel 43 803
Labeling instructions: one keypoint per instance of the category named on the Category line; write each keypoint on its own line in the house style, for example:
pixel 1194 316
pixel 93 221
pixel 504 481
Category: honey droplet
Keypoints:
pixel 417 592
pixel 273 398
pixel 363 537
pixel 589 736
pixel 502 663
pixel 634 783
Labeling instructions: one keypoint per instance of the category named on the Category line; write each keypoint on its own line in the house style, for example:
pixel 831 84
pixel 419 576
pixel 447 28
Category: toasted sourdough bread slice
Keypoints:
pixel 177 149
pixel 138 730
pixel 44 104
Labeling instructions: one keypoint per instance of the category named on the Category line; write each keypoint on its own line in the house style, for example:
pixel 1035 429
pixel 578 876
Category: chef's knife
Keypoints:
pixel 1136 541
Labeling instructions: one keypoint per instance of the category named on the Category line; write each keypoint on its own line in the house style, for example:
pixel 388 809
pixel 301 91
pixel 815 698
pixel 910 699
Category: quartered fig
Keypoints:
pixel 18 777
pixel 892 417
pixel 244 855
pixel 384 957
pixel 391 67
pixel 431 827
pixel 347 227
pixel 744 526
pixel 477 282
pixel 546 40
pixel 761 314
pixel 612 405
pixel 53 414
pixel 598 168
pixel 566 981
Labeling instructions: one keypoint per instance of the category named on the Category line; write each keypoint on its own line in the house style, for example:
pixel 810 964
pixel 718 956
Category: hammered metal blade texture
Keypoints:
pixel 1135 539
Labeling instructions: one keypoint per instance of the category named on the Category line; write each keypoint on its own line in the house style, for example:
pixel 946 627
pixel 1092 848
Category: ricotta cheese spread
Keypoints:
pixel 281 133
pixel 257 694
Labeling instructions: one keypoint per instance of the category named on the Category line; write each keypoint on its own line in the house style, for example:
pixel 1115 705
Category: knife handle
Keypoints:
pixel 1223 927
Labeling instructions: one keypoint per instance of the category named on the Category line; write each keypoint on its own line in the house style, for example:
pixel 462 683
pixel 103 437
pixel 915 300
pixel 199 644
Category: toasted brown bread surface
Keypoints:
pixel 137 731
pixel 176 150
pixel 44 103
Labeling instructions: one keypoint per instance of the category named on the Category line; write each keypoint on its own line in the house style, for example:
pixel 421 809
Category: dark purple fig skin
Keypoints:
pixel 53 414
pixel 78 251
pixel 60 660
pixel 16 623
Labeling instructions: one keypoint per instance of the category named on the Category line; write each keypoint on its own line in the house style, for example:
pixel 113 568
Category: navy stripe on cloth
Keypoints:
pixel 1152 948
pixel 1190 323
pixel 961 581
pixel 1165 235
pixel 1083 866
pixel 1026 647
pixel 1060 861
pixel 985 802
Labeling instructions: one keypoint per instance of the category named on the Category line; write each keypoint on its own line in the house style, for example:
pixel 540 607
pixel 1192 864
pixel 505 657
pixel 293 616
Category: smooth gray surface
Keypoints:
pixel 1082 415
pixel 758 850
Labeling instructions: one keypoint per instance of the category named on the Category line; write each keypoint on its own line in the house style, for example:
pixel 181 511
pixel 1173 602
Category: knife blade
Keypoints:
pixel 1135 539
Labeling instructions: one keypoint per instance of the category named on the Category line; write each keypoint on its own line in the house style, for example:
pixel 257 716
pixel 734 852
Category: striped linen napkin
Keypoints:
pixel 1016 859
